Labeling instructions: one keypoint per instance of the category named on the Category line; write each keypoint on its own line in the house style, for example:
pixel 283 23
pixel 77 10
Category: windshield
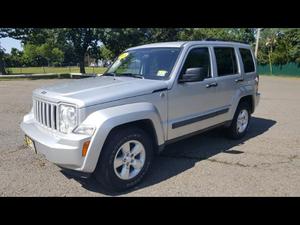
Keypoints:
pixel 148 63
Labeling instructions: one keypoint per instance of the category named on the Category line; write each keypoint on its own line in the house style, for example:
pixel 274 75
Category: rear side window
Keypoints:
pixel 226 61
pixel 198 57
pixel 247 60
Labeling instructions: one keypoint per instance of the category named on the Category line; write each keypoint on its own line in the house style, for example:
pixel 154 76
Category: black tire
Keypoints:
pixel 232 131
pixel 104 172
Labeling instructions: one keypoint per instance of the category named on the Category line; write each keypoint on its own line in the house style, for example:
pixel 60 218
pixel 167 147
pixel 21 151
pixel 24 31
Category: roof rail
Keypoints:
pixel 216 39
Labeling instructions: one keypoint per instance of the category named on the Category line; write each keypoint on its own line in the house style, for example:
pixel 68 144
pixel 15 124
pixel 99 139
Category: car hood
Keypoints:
pixel 97 90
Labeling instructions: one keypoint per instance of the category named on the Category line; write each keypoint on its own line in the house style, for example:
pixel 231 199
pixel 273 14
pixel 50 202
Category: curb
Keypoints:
pixel 43 75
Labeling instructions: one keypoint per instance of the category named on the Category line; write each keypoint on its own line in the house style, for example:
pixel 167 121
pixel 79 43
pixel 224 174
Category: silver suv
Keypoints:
pixel 112 125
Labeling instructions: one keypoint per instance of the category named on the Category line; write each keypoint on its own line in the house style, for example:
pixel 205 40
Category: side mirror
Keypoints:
pixel 193 75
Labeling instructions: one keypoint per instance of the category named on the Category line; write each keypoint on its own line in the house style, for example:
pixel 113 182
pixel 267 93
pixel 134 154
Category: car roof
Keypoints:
pixel 179 44
pixel 175 44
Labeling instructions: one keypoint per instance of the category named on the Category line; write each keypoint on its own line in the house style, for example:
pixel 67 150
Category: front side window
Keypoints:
pixel 148 63
pixel 247 60
pixel 226 61
pixel 198 57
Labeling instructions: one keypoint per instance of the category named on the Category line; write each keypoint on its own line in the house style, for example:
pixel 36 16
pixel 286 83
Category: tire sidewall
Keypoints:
pixel 107 157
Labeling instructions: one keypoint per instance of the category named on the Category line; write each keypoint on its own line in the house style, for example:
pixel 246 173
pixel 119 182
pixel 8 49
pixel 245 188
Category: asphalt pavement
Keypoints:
pixel 265 163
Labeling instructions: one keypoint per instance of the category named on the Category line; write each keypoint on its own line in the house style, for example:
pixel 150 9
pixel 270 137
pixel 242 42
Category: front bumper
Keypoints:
pixel 63 150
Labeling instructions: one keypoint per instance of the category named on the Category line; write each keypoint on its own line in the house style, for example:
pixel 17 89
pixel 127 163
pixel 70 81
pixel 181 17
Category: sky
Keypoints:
pixel 8 43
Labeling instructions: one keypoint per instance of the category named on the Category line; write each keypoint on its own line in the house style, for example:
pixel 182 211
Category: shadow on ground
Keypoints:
pixel 183 155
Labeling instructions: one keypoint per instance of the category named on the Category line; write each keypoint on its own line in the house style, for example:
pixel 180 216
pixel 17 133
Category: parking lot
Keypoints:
pixel 265 163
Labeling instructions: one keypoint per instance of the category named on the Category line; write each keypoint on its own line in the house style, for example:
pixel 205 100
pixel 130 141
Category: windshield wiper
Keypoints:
pixel 130 75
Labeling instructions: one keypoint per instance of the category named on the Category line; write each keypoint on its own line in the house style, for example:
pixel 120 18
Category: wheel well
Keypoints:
pixel 145 125
pixel 249 100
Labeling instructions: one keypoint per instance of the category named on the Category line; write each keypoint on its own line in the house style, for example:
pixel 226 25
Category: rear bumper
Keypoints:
pixel 63 150
pixel 257 99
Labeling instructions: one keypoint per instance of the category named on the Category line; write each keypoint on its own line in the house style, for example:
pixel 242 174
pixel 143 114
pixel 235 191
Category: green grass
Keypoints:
pixel 72 69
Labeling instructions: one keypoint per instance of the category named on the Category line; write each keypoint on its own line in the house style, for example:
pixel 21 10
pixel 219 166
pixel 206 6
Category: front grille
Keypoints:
pixel 45 113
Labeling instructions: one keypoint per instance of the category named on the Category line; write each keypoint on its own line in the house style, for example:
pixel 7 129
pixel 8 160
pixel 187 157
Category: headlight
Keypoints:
pixel 67 118
pixel 85 129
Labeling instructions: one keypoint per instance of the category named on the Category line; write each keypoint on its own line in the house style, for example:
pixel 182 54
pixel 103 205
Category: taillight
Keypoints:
pixel 256 83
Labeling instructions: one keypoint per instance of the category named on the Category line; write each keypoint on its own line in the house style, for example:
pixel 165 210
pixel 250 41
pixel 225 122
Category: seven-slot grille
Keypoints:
pixel 45 113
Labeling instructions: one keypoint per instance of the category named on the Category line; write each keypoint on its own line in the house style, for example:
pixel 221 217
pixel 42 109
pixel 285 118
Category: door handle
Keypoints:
pixel 214 84
pixel 239 80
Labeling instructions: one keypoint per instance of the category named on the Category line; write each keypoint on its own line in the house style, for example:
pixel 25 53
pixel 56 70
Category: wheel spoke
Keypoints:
pixel 136 149
pixel 126 148
pixel 245 114
pixel 118 162
pixel 239 123
pixel 125 172
pixel 137 164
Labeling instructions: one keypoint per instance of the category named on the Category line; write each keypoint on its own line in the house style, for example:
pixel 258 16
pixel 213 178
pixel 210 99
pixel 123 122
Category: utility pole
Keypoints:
pixel 257 41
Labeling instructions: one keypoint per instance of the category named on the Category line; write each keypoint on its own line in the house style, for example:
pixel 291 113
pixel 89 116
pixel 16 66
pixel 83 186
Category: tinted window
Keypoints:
pixel 197 57
pixel 226 61
pixel 247 60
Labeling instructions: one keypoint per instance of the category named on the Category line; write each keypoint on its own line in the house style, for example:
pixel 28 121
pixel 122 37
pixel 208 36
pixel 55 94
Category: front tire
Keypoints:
pixel 125 159
pixel 240 123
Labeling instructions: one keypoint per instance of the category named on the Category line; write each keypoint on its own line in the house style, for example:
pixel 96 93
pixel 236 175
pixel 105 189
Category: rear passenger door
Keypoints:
pixel 228 75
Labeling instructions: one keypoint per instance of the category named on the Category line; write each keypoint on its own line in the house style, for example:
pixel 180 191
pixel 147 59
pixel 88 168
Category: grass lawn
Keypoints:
pixel 71 69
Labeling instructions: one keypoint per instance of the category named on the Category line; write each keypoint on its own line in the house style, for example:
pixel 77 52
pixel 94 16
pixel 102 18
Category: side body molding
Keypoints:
pixel 106 119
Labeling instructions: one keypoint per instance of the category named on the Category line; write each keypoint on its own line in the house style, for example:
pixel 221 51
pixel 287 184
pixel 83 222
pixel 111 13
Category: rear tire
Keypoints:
pixel 125 159
pixel 240 123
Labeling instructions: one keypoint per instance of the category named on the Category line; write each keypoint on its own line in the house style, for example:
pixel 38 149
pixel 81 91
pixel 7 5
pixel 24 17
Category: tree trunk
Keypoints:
pixel 270 60
pixel 81 65
pixel 2 68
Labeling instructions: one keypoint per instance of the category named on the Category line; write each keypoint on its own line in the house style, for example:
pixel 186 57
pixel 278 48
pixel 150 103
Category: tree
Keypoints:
pixel 105 53
pixel 230 34
pixel 43 55
pixel 80 39
pixel 118 39
pixel 193 34
pixel 40 45
pixel 53 55
pixel 3 34
pixel 36 36
pixel 162 34
pixel 288 46
pixel 2 66
pixel 15 58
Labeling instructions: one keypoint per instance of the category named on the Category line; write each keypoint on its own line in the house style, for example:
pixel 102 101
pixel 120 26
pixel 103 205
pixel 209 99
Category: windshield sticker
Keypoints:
pixel 123 55
pixel 161 73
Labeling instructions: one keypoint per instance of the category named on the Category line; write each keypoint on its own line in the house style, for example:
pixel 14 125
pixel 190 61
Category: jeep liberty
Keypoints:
pixel 112 125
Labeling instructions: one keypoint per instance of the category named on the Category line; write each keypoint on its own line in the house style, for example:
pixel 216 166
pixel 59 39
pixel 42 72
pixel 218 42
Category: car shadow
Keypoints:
pixel 183 155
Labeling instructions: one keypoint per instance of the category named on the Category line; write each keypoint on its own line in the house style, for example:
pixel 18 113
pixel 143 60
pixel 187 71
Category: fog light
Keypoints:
pixel 85 147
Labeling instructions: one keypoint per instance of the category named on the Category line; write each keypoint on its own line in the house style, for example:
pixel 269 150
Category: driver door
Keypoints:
pixel 191 105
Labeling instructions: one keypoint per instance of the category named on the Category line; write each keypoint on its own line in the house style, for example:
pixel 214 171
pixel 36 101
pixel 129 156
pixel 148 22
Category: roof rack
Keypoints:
pixel 216 39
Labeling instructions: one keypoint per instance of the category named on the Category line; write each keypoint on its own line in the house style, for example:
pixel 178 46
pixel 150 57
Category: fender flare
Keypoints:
pixel 107 119
pixel 242 92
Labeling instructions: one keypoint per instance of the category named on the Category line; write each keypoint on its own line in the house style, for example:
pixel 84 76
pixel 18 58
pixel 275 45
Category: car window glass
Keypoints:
pixel 247 60
pixel 226 61
pixel 198 57
pixel 150 63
